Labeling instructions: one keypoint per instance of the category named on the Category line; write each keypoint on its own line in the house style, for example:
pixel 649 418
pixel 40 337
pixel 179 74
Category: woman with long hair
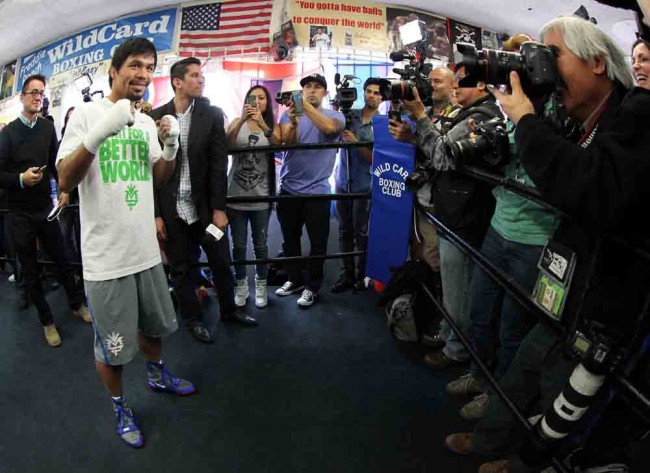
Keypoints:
pixel 252 174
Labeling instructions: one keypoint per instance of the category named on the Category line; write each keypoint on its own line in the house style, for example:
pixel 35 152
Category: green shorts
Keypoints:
pixel 122 307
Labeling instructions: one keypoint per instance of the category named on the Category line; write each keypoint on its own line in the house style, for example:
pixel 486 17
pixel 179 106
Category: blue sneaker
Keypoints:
pixel 161 379
pixel 127 426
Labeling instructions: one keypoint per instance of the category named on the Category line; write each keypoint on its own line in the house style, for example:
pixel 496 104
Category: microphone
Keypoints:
pixel 397 56
pixel 337 78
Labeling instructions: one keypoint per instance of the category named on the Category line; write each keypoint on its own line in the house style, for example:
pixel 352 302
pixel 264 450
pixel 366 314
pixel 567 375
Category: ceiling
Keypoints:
pixel 27 24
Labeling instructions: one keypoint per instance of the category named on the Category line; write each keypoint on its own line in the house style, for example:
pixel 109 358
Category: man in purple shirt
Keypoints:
pixel 307 172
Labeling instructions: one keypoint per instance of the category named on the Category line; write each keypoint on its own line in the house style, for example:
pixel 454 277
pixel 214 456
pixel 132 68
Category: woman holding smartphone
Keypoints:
pixel 252 174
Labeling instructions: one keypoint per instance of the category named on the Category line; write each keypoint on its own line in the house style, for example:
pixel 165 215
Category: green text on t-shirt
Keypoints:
pixel 125 156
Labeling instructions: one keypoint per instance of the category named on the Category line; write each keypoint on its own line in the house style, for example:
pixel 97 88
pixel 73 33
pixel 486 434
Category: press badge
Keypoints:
pixel 556 266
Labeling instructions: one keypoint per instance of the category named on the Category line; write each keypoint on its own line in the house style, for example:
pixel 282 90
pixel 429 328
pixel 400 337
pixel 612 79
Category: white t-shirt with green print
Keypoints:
pixel 118 229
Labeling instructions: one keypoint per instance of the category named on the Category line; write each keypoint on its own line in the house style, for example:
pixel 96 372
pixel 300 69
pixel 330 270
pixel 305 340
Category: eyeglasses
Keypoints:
pixel 35 93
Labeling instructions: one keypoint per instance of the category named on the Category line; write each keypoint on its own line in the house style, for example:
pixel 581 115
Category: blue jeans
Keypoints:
pixel 455 273
pixel 519 261
pixel 259 220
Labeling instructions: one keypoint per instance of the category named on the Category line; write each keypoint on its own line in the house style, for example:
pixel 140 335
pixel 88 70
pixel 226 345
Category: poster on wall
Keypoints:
pixel 438 44
pixel 464 33
pixel 8 79
pixel 347 24
pixel 82 52
pixel 284 42
pixel 490 40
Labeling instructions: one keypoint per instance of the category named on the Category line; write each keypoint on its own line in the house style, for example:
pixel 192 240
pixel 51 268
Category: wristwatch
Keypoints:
pixel 268 133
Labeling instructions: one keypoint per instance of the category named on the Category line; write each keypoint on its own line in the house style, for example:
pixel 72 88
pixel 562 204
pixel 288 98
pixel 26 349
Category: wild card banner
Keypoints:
pixel 389 226
pixel 95 45
pixel 341 24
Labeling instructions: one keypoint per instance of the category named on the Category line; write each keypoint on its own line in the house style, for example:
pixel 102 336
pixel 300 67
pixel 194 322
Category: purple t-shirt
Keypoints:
pixel 308 171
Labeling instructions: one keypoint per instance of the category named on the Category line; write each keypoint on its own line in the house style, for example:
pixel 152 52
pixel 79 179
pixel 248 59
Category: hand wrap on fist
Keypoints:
pixel 119 116
pixel 169 136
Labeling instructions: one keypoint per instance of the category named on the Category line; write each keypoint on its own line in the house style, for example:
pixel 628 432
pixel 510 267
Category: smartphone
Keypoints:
pixel 252 101
pixel 215 232
pixel 42 168
pixel 395 115
pixel 296 97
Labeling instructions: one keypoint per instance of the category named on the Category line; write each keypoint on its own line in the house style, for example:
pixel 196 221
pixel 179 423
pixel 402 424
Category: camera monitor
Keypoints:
pixel 411 32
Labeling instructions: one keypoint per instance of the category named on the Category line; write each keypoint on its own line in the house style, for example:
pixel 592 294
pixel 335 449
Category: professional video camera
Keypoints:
pixel 345 95
pixel 415 73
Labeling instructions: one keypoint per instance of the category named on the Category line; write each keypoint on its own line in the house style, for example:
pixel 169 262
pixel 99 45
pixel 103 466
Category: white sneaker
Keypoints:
pixel 261 296
pixel 11 278
pixel 288 288
pixel 307 298
pixel 241 292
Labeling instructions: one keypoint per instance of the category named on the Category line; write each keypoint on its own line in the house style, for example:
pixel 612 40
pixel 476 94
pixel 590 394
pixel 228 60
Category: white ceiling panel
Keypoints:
pixel 27 24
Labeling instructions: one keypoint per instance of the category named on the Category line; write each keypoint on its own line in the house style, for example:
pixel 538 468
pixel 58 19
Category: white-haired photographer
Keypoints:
pixel 600 181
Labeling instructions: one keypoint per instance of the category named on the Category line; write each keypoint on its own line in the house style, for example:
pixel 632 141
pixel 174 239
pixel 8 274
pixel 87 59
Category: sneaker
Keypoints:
pixel 52 335
pixel 475 409
pixel 83 313
pixel 466 385
pixel 11 278
pixel 307 298
pixel 127 425
pixel 161 379
pixel 241 292
pixel 288 288
pixel 261 295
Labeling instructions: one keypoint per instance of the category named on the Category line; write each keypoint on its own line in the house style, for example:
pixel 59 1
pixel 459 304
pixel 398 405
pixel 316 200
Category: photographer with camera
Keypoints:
pixel 353 214
pixel 307 172
pixel 518 231
pixel 461 203
pixel 599 178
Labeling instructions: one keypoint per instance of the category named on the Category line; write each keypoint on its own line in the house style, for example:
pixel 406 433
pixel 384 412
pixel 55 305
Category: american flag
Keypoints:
pixel 214 29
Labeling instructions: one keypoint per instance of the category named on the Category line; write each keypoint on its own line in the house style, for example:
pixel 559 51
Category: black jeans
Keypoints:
pixel 181 247
pixel 71 229
pixel 353 232
pixel 26 227
pixel 315 216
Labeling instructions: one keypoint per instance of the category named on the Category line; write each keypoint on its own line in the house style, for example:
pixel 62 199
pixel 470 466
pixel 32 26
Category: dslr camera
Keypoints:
pixel 489 149
pixel 491 146
pixel 535 63
pixel 415 73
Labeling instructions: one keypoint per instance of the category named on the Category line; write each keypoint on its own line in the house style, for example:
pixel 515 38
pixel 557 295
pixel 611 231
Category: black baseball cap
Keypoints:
pixel 313 78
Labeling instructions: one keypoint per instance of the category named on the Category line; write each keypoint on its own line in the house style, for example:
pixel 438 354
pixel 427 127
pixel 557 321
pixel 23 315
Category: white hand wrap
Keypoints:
pixel 119 116
pixel 171 142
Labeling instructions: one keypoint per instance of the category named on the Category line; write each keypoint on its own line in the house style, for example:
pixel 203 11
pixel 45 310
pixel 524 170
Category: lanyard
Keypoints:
pixel 588 135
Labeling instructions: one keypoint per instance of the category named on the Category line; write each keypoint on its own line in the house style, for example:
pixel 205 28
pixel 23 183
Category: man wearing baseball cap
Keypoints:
pixel 307 172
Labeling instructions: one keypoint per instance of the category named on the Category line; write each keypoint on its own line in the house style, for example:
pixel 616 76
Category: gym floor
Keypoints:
pixel 325 390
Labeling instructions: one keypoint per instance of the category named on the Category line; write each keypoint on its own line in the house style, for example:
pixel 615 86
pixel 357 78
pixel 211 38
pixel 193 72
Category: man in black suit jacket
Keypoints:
pixel 195 197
